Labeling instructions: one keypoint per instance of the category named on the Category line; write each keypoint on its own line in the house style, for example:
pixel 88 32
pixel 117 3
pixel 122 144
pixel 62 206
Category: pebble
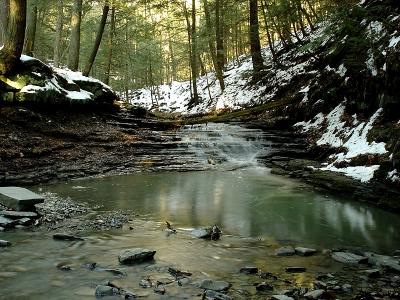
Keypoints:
pixel 249 270
pixel 264 287
pixel 320 285
pixel 347 288
pixel 4 243
pixel 159 289
pixel 216 295
pixel 281 297
pixel 316 294
pixel 285 251
pixel 217 286
pixel 104 290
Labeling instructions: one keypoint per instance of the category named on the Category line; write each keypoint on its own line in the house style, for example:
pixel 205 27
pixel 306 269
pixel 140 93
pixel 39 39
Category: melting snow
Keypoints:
pixel 394 41
pixel 353 138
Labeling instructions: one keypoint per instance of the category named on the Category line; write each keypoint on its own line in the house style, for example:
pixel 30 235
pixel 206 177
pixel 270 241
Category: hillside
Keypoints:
pixel 343 80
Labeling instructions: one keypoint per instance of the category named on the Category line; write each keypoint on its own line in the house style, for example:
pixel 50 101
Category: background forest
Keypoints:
pixel 146 43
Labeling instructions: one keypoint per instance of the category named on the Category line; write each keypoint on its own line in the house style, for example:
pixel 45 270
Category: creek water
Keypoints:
pixel 257 212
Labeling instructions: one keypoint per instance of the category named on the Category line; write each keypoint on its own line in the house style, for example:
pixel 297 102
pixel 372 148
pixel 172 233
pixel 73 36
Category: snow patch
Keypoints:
pixel 394 176
pixel 394 41
pixel 362 173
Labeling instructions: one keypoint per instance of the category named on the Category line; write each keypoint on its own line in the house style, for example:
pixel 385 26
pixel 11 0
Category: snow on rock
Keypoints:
pixel 51 83
pixel 337 133
pixel 362 173
pixel 394 41
pixel 394 176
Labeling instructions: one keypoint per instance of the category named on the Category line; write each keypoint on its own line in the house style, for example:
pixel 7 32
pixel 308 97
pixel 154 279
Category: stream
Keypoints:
pixel 257 212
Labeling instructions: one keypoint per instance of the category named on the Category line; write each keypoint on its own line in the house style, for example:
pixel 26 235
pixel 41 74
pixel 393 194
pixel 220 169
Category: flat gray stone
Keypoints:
pixel 387 262
pixel 24 221
pixel 4 243
pixel 135 255
pixel 19 199
pixel 7 222
pixel 349 258
pixel 213 295
pixel 285 251
pixel 281 297
pixel 18 214
pixel 317 294
pixel 305 251
pixel 218 286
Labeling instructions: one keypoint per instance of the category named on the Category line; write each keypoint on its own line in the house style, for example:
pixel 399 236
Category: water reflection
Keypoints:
pixel 247 202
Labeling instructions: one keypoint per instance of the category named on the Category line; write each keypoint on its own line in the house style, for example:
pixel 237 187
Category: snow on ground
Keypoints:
pixel 351 136
pixel 239 92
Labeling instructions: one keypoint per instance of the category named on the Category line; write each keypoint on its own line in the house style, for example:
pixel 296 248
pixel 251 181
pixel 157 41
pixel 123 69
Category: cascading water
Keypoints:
pixel 222 146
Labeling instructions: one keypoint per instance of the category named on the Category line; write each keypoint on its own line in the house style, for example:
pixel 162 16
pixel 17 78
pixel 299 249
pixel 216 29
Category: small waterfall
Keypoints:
pixel 223 146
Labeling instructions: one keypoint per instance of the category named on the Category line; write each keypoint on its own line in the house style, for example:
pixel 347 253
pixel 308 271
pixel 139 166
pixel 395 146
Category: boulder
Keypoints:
pixel 217 286
pixel 285 251
pixel 7 223
pixel 305 251
pixel 349 258
pixel 387 262
pixel 135 255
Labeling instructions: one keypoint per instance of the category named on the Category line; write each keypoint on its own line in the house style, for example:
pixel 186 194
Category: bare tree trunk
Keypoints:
pixel 75 41
pixel 220 43
pixel 110 46
pixel 11 52
pixel 270 41
pixel 30 32
pixel 255 40
pixel 59 28
pixel 4 11
pixel 97 42
pixel 195 98
pixel 211 44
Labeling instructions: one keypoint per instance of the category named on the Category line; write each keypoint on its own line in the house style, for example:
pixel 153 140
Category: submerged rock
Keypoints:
pixel 66 237
pixel 295 269
pixel 305 251
pixel 249 270
pixel 349 258
pixel 285 251
pixel 387 262
pixel 217 286
pixel 135 255
pixel 213 233
pixel 4 243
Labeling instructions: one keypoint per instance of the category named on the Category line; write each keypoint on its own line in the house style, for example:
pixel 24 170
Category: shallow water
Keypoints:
pixel 257 212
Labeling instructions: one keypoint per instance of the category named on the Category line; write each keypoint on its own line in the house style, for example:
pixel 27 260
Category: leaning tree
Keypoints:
pixel 14 39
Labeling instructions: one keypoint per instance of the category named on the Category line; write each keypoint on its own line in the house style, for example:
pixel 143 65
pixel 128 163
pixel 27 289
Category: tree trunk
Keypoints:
pixel 110 46
pixel 75 41
pixel 195 97
pixel 255 40
pixel 59 28
pixel 97 42
pixel 30 33
pixel 220 43
pixel 211 44
pixel 270 41
pixel 4 11
pixel 11 52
